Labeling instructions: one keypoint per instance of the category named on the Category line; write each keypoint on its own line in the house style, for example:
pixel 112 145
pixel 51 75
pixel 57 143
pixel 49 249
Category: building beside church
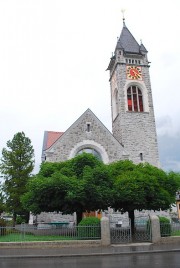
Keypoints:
pixel 133 134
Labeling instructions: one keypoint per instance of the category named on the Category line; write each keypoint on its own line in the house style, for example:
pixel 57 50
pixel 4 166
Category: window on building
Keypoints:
pixel 90 151
pixel 88 129
pixel 134 99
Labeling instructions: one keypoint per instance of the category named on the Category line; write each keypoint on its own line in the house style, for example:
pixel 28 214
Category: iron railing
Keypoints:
pixel 125 234
pixel 142 230
pixel 31 233
pixel 170 229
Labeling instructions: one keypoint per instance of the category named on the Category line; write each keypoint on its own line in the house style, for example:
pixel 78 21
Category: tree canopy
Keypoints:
pixel 142 186
pixel 86 184
pixel 77 185
pixel 16 165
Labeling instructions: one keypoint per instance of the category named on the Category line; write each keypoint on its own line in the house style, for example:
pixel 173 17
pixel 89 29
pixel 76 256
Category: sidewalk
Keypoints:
pixel 134 248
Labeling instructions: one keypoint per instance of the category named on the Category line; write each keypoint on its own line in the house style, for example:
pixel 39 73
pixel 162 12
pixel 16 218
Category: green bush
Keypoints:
pixel 89 228
pixel 2 227
pixel 20 220
pixel 165 226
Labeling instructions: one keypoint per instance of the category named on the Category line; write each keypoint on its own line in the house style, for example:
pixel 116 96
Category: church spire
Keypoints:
pixel 127 41
pixel 123 11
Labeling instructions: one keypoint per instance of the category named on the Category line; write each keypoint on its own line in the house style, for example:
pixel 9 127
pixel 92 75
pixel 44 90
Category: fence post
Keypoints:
pixel 22 231
pixel 105 232
pixel 155 228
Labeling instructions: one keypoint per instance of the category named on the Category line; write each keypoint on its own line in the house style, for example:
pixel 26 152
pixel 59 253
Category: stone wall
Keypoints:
pixel 77 137
pixel 136 130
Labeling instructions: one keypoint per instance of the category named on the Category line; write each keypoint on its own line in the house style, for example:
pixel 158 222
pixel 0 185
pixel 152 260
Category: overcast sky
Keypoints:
pixel 53 57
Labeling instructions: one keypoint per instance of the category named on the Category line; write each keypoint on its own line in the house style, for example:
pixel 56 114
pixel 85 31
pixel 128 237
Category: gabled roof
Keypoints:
pixel 50 137
pixel 128 43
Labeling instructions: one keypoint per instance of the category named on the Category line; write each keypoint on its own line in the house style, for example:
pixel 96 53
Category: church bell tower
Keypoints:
pixel 133 121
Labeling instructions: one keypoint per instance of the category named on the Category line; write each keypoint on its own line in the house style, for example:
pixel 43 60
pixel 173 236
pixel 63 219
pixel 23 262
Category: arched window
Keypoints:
pixel 134 99
pixel 90 151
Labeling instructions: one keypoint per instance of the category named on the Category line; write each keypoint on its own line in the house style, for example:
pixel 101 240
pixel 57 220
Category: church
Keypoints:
pixel 133 133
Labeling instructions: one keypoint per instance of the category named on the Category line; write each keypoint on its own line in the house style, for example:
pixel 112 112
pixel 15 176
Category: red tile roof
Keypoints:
pixel 52 136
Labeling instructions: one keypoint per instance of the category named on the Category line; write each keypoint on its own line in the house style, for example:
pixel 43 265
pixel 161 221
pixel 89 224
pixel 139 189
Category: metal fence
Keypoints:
pixel 170 229
pixel 142 232
pixel 31 233
pixel 120 235
pixel 123 234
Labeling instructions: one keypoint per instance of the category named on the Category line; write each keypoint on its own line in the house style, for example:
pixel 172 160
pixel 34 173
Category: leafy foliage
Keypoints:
pixel 80 184
pixel 141 187
pixel 2 224
pixel 2 199
pixel 89 221
pixel 16 165
pixel 165 226
pixel 91 228
pixel 86 184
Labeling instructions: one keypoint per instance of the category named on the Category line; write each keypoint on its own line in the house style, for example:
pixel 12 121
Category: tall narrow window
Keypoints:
pixel 141 156
pixel 134 99
pixel 88 129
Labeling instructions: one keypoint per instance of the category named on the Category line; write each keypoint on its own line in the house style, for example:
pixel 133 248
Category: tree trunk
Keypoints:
pixel 131 216
pixel 78 216
pixel 14 218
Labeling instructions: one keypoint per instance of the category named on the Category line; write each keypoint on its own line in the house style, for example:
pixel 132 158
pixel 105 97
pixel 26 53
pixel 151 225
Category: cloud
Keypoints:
pixel 168 125
pixel 169 148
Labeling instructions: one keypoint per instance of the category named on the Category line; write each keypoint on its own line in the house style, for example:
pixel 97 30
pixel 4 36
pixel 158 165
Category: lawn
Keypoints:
pixel 175 233
pixel 19 237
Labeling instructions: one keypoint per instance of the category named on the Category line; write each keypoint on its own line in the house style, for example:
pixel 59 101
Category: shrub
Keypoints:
pixel 89 228
pixel 20 220
pixel 2 227
pixel 165 226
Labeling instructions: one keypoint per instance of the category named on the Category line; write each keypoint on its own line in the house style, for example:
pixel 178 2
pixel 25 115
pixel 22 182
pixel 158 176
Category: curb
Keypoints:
pixel 89 255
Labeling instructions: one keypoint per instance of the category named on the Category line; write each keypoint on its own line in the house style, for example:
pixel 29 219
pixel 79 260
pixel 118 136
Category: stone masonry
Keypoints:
pixel 77 137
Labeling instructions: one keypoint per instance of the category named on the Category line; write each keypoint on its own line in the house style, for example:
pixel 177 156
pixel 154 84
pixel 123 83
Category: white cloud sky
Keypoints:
pixel 54 53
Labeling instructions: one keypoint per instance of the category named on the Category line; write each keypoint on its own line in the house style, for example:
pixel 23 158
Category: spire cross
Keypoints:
pixel 123 11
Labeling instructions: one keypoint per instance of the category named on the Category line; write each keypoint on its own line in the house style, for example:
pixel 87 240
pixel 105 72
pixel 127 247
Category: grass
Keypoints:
pixel 175 233
pixel 19 237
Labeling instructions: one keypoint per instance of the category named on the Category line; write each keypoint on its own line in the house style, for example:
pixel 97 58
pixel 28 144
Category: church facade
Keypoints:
pixel 133 134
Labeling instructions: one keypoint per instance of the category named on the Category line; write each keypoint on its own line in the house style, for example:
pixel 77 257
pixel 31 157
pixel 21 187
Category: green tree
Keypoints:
pixel 16 165
pixel 142 187
pixel 2 199
pixel 86 184
pixel 77 185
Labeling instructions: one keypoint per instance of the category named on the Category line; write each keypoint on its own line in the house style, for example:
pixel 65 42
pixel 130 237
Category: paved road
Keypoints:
pixel 153 260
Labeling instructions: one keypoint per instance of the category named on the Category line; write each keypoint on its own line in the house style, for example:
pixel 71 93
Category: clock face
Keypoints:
pixel 134 73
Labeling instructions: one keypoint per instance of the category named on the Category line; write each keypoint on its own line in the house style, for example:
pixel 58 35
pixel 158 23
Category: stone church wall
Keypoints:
pixel 99 138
